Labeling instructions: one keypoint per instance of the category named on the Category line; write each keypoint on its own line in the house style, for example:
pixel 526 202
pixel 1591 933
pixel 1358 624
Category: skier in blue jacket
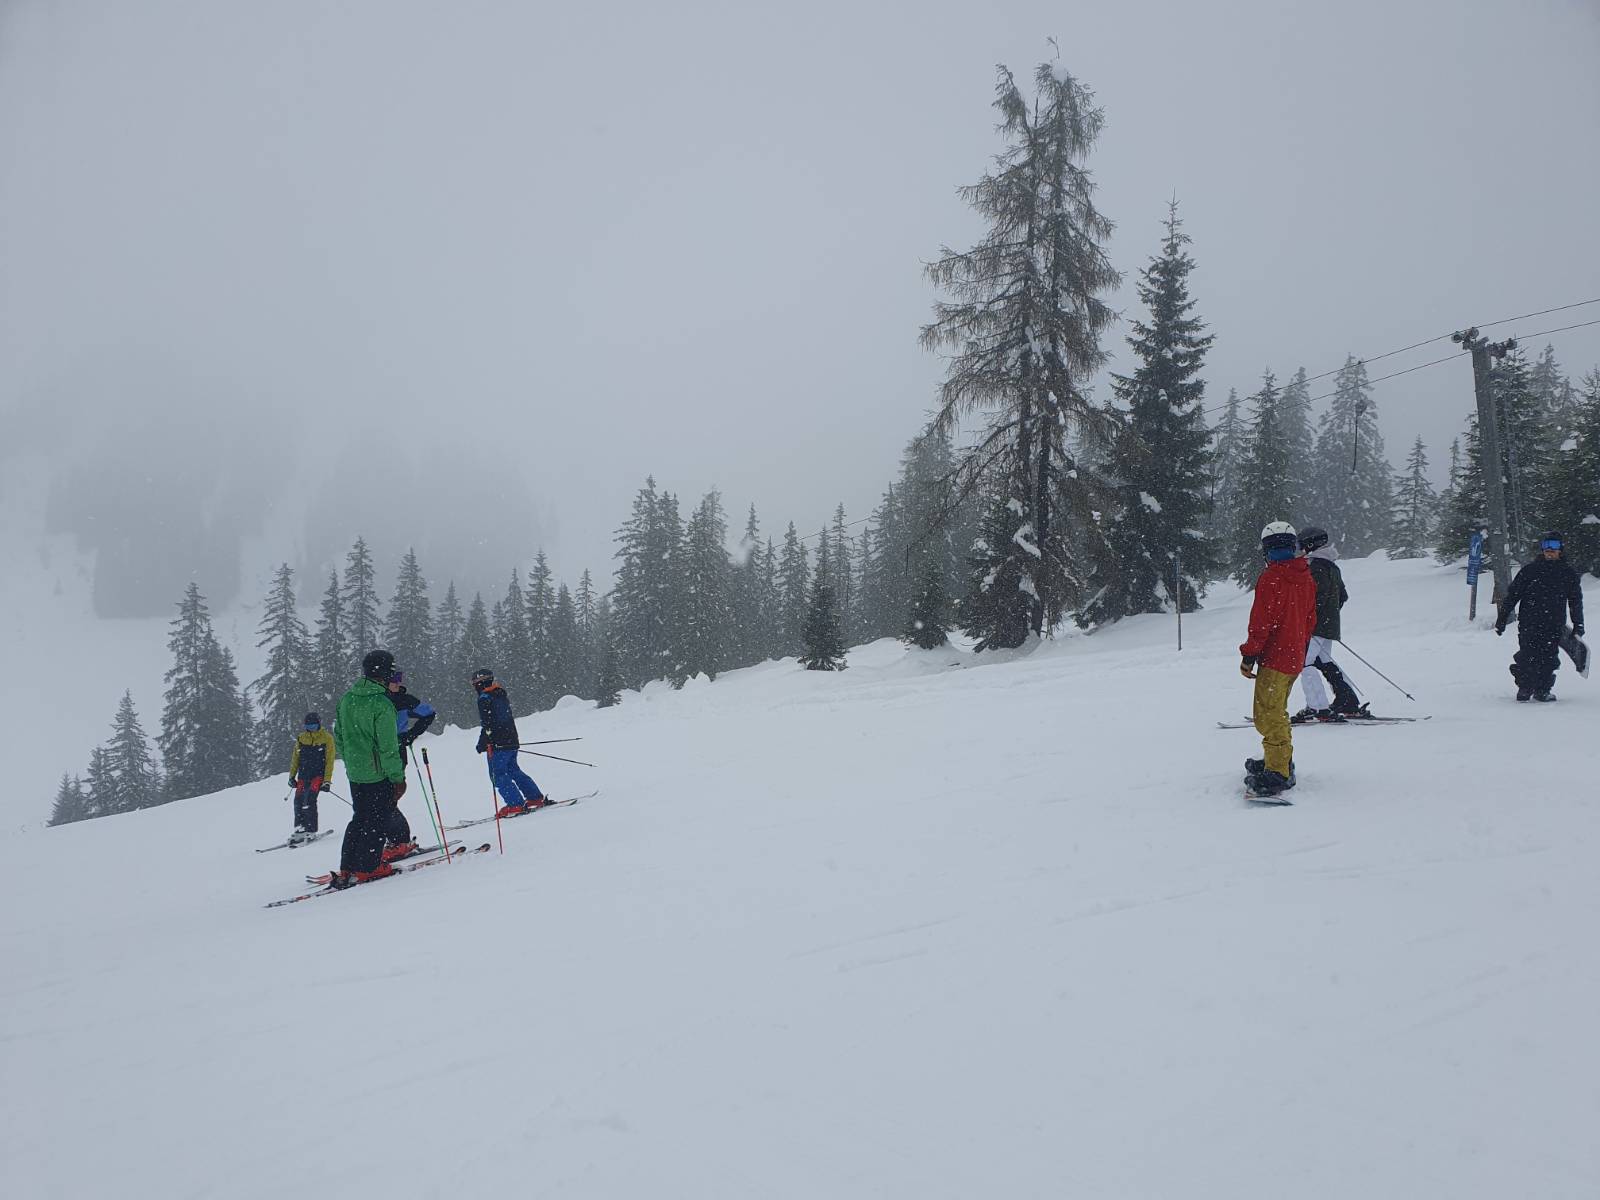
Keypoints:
pixel 499 739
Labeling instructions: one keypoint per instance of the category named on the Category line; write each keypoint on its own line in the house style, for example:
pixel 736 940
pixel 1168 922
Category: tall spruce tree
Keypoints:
pixel 1265 486
pixel 135 782
pixel 408 627
pixel 1025 326
pixel 1161 458
pixel 99 785
pixel 608 684
pixel 540 603
pixel 794 579
pixel 1527 448
pixel 1353 483
pixel 585 604
pixel 928 624
pixel 71 804
pixel 1574 489
pixel 562 655
pixel 287 686
pixel 823 640
pixel 1294 424
pixel 997 611
pixel 1466 509
pixel 840 557
pixel 205 723
pixel 642 599
pixel 1229 438
pixel 706 614
pixel 452 695
pixel 332 650
pixel 360 596
pixel 1415 507
pixel 751 636
pixel 476 645
pixel 514 649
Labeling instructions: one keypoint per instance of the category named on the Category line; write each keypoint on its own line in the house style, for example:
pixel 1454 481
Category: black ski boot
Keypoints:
pixel 1269 783
pixel 1255 766
pixel 1524 694
pixel 1544 697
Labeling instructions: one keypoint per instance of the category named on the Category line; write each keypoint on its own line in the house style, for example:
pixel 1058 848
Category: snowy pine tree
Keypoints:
pixel 539 605
pixel 794 579
pixel 205 722
pixel 99 785
pixel 1527 448
pixel 1161 459
pixel 928 625
pixel 1574 487
pixel 1228 438
pixel 997 610
pixel 641 599
pixel 1415 507
pixel 1294 425
pixel 135 782
pixel 514 649
pixel 705 611
pixel 477 646
pixel 842 575
pixel 1265 484
pixel 824 648
pixel 1353 484
pixel 287 688
pixel 450 672
pixel 1025 325
pixel 608 685
pixel 331 671
pixel 562 646
pixel 585 605
pixel 71 804
pixel 359 595
pixel 408 628
pixel 1466 510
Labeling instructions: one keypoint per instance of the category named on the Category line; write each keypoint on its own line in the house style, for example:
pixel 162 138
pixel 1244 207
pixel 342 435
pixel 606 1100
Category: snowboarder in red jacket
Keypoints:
pixel 1281 621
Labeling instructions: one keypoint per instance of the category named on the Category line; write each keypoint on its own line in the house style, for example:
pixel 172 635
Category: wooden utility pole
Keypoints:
pixel 1494 474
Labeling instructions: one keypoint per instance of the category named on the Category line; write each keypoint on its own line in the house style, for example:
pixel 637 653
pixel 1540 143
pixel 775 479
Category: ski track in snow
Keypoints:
pixel 936 926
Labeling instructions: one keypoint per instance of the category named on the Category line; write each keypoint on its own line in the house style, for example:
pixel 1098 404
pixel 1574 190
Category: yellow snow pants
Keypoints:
pixel 1271 716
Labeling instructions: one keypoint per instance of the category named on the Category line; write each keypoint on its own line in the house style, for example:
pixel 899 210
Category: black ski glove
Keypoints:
pixel 1499 628
pixel 482 744
pixel 1577 631
pixel 1247 666
pixel 327 787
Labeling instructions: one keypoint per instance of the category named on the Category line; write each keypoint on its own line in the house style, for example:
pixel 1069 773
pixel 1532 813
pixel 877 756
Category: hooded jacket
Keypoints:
pixel 314 753
pixel 1282 617
pixel 1545 588
pixel 368 741
pixel 494 713
pixel 1331 595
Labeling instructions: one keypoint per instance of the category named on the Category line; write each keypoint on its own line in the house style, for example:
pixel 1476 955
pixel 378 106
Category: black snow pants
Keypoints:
pixel 305 803
pixel 371 805
pixel 1535 662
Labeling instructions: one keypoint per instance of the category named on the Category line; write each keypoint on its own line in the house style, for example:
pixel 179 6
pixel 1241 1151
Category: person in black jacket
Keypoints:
pixel 1331 596
pixel 412 716
pixel 499 739
pixel 1546 588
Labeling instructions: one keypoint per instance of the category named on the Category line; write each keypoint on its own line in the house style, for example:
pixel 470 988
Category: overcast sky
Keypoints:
pixel 545 250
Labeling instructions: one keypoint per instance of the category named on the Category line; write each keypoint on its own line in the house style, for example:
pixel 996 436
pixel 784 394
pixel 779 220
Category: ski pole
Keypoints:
pixel 341 799
pixel 556 757
pixel 429 766
pixel 494 802
pixel 552 741
pixel 427 804
pixel 1379 673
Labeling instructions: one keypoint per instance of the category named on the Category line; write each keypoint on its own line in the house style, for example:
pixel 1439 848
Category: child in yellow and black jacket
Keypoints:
pixel 310 773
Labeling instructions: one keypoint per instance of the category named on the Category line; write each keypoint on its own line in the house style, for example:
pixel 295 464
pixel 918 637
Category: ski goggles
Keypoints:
pixel 1550 544
pixel 313 726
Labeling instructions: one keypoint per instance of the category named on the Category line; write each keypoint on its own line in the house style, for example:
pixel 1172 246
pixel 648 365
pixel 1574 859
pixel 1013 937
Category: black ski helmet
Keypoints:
pixel 482 677
pixel 1313 538
pixel 311 719
pixel 377 665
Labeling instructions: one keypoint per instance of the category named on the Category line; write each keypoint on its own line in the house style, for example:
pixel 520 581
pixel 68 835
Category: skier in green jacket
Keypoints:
pixel 370 746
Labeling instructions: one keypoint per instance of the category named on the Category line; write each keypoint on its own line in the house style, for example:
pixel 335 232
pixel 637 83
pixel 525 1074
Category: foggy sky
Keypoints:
pixel 488 265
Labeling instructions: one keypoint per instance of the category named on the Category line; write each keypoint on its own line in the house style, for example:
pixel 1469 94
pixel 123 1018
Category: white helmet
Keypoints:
pixel 1275 528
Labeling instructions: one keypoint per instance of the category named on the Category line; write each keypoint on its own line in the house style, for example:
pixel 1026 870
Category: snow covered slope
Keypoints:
pixel 934 927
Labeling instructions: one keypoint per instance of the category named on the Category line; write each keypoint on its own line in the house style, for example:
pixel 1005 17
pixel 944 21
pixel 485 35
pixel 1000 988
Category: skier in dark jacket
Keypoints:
pixel 1546 588
pixel 1331 597
pixel 499 739
pixel 411 717
pixel 365 729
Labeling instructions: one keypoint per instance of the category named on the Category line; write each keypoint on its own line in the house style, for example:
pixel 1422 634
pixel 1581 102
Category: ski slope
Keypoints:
pixel 938 926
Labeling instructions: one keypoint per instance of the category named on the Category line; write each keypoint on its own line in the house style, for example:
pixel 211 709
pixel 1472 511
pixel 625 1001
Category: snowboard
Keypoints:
pixel 1575 650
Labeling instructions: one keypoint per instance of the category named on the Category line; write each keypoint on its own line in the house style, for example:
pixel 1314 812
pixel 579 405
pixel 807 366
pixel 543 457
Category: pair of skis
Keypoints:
pixel 315 837
pixel 567 803
pixel 400 868
pixel 1250 724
